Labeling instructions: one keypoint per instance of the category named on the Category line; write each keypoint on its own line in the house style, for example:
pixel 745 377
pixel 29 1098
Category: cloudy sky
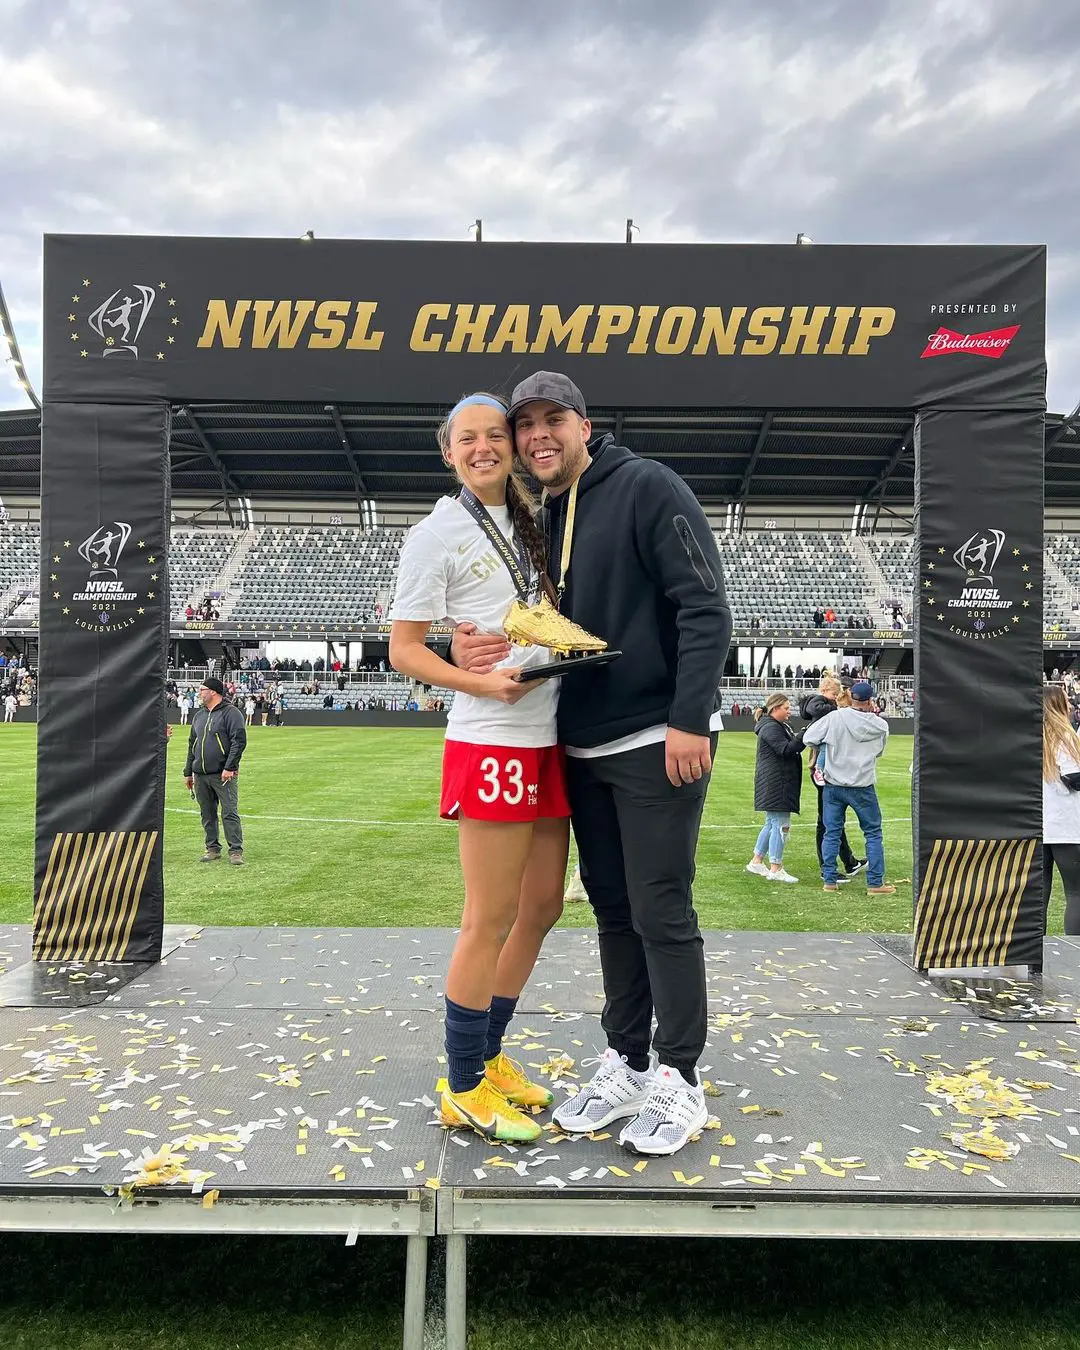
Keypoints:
pixel 705 120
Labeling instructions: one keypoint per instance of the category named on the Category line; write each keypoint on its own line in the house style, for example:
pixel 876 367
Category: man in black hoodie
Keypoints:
pixel 635 562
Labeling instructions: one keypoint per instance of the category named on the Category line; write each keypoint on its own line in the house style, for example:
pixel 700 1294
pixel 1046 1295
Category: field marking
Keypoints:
pixel 412 824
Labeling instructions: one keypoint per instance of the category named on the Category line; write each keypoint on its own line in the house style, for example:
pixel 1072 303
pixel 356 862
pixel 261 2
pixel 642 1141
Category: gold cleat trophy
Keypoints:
pixel 541 625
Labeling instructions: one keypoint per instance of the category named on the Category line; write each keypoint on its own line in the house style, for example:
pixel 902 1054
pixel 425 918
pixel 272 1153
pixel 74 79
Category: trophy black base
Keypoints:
pixel 566 666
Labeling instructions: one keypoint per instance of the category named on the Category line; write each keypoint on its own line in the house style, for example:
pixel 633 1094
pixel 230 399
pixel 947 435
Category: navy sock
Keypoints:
pixel 466 1034
pixel 502 1009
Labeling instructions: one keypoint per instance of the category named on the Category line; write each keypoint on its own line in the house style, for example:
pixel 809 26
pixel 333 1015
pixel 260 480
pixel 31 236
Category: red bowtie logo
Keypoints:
pixel 993 344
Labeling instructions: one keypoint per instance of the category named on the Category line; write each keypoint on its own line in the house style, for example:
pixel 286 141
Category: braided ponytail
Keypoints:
pixel 523 509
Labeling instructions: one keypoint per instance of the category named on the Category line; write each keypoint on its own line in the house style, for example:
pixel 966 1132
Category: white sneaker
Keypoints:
pixel 782 875
pixel 615 1092
pixel 758 869
pixel 575 889
pixel 674 1111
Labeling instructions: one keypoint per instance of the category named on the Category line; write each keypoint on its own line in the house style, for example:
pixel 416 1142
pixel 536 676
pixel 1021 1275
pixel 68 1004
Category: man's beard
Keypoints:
pixel 571 466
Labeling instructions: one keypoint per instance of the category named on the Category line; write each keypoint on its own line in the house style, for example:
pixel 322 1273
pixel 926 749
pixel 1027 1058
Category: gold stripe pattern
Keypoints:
pixel 970 900
pixel 89 899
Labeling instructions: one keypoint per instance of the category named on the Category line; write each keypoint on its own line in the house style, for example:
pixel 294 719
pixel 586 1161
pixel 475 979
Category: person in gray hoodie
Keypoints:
pixel 856 738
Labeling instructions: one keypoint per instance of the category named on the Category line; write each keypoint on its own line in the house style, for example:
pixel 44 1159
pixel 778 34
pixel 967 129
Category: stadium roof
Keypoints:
pixel 357 451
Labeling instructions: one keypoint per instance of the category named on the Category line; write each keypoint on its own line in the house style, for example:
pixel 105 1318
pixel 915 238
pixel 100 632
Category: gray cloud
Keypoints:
pixel 931 120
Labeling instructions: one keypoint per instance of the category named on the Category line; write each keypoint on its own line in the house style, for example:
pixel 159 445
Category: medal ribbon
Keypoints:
pixel 516 563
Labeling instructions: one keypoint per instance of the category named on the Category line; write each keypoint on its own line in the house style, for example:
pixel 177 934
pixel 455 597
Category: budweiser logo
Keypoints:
pixel 993 344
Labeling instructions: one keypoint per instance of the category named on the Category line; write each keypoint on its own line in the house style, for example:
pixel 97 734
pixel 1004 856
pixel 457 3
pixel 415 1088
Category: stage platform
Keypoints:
pixel 293 1073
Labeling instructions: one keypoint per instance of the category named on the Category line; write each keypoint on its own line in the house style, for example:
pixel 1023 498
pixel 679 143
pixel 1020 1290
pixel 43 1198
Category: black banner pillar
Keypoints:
pixel 98 892
pixel 977 801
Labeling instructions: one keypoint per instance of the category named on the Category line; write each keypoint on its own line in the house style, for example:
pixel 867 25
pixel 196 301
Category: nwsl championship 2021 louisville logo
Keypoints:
pixel 133 321
pixel 104 583
pixel 980 612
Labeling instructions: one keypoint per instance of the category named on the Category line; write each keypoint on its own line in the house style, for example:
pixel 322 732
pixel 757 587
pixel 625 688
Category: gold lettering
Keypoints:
pixel 567 333
pixel 276 325
pixel 842 316
pixel 513 330
pixel 715 330
pixel 804 330
pixel 330 316
pixel 472 324
pixel 762 327
pixel 874 321
pixel 611 320
pixel 639 345
pixel 220 322
pixel 421 340
pixel 363 338
pixel 676 328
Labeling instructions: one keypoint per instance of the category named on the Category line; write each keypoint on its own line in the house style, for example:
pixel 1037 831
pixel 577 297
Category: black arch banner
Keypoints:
pixel 133 325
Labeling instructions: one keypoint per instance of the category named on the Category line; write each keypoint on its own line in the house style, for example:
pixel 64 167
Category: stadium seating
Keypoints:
pixel 336 575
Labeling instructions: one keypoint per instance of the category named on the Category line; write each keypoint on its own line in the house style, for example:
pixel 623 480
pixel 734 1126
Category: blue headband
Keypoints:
pixel 475 401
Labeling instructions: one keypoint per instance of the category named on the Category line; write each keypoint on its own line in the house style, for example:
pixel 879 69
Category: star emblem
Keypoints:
pixel 141 543
pixel 170 340
pixel 1027 585
pixel 1025 568
pixel 84 353
pixel 1025 603
pixel 161 285
pixel 65 610
pixel 1016 618
pixel 153 576
pixel 56 595
pixel 1016 553
pixel 140 610
pixel 927 585
pixel 150 595
pixel 86 281
pixel 74 299
pixel 161 356
pixel 71 318
pixel 110 342
pixel 172 302
pixel 931 566
pixel 941 550
pixel 941 618
pixel 931 602
pixel 151 559
pixel 74 337
pixel 174 320
pixel 56 557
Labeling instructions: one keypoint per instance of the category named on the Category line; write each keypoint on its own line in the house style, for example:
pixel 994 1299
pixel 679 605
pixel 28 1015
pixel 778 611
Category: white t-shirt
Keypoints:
pixel 1061 808
pixel 448 571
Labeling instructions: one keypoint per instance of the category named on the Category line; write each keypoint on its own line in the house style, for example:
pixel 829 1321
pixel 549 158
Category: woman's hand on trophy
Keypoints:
pixel 502 685
pixel 478 653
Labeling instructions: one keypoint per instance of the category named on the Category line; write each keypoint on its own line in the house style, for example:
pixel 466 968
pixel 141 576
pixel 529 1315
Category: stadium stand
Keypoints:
pixel 321 574
pixel 342 574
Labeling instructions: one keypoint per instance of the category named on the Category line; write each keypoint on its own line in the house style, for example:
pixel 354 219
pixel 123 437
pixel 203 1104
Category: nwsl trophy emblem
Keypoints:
pixel 978 557
pixel 103 549
pixel 120 319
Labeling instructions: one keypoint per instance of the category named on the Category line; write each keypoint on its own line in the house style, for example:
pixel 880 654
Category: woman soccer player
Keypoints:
pixel 503 777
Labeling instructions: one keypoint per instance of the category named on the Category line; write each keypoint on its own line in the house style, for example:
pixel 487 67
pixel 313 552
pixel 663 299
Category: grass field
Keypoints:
pixel 341 829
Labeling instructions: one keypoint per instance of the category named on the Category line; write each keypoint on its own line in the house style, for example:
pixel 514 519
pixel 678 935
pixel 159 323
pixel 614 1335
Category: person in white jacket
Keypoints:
pixel 1061 805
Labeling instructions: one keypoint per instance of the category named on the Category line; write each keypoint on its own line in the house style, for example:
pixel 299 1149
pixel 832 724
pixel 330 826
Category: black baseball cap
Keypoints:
pixel 552 388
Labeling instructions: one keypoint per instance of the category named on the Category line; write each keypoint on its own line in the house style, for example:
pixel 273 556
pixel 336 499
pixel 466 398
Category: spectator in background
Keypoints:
pixel 11 703
pixel 777 786
pixel 812 708
pixel 1061 806
pixel 217 742
pixel 855 739
pixel 830 617
pixel 819 617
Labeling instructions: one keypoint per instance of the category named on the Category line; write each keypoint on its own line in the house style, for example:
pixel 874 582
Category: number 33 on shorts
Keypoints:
pixel 499 782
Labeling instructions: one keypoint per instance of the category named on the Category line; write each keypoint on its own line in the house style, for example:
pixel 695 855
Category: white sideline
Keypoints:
pixel 412 824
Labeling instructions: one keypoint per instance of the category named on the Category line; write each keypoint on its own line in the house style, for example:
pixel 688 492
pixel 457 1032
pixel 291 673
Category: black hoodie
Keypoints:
pixel 645 575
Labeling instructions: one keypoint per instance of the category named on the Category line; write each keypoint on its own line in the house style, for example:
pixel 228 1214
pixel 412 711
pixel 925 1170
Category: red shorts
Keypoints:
pixel 503 782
